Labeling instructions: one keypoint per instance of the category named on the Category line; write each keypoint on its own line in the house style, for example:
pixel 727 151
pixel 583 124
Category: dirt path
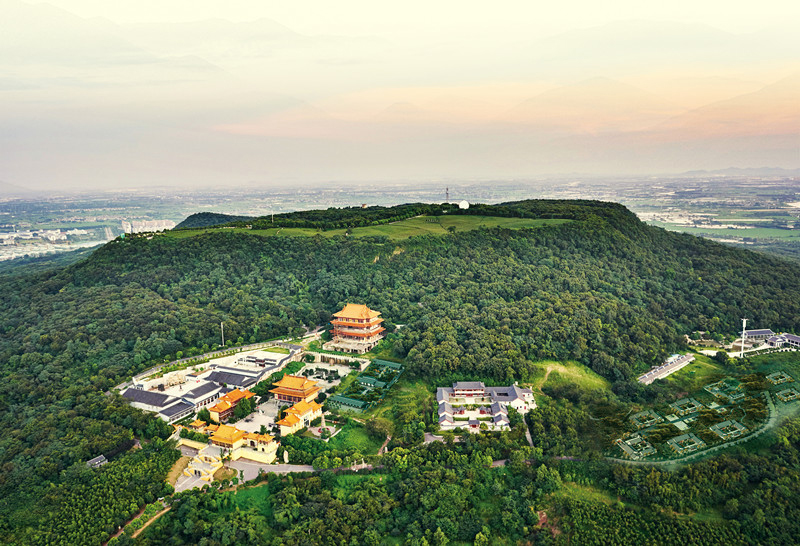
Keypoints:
pixel 546 375
pixel 118 533
pixel 386 443
pixel 164 511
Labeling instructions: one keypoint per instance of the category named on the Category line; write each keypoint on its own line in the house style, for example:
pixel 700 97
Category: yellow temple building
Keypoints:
pixel 298 416
pixel 250 445
pixel 223 409
pixel 295 388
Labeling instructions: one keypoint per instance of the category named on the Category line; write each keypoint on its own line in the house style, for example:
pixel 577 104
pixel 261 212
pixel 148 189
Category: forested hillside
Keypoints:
pixel 208 219
pixel 604 289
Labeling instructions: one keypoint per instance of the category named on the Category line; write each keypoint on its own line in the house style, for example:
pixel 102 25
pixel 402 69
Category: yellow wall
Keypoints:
pixel 266 457
pixel 191 443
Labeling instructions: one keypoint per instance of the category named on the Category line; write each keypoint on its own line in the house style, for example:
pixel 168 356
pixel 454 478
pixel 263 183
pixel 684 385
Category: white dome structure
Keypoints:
pixel 463 205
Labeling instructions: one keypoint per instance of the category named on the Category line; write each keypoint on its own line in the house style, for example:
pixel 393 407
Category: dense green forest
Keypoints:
pixel 208 219
pixel 442 493
pixel 604 290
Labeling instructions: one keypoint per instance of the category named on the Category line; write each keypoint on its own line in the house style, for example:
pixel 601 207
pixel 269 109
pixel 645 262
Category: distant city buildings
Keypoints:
pixel 142 226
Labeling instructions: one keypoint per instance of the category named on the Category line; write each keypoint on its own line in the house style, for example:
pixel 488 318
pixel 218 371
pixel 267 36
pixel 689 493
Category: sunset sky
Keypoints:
pixel 113 94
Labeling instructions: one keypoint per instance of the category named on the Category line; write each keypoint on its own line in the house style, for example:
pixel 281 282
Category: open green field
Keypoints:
pixel 561 373
pixel 586 493
pixel 729 233
pixel 696 375
pixel 773 362
pixel 355 437
pixel 404 393
pixel 279 350
pixel 421 225
pixel 253 497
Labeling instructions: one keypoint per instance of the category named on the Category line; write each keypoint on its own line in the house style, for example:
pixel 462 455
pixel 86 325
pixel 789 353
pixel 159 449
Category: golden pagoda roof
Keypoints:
pixel 304 408
pixel 356 311
pixel 263 438
pixel 289 421
pixel 227 434
pixel 296 382
pixel 236 395
pixel 221 406
pixel 197 424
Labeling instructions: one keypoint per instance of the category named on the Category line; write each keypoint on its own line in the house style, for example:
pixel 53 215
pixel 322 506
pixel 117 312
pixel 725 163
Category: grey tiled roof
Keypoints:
pixel 175 409
pixel 202 390
pixel 150 398
pixel 230 378
pixel 468 385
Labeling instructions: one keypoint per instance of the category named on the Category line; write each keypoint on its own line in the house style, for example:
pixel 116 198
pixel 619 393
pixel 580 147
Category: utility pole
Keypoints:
pixel 222 329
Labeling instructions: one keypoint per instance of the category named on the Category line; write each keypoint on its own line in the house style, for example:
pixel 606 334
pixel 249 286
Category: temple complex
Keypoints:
pixel 356 329
pixel 295 388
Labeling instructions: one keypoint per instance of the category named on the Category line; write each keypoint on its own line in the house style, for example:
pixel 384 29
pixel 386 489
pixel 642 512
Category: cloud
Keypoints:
pixel 95 101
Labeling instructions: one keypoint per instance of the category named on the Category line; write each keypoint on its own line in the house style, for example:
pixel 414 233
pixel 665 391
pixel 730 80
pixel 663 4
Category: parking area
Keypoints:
pixel 265 414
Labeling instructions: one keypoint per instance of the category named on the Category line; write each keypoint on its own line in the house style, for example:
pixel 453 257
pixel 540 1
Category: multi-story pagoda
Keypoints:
pixel 356 329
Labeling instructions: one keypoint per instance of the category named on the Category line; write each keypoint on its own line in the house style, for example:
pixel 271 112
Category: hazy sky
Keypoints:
pixel 125 93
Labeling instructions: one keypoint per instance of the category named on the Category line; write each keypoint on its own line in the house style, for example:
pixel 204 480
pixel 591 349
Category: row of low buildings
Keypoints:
pixel 769 337
pixel 173 408
pixel 469 404
pixel 219 388
pixel 670 366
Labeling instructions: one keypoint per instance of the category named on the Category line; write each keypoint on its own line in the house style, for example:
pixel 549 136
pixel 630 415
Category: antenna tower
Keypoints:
pixel 744 325
pixel 447 194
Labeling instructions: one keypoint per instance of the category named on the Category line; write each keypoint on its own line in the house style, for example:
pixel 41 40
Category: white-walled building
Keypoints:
pixel 491 405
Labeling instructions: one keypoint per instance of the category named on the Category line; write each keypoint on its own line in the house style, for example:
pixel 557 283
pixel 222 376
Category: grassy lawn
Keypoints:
pixel 346 382
pixel 177 470
pixel 412 227
pixel 727 233
pixel 585 493
pixel 560 373
pixel 225 474
pixel 707 515
pixel 695 376
pixel 355 437
pixel 279 350
pixel 773 362
pixel 405 392
pixel 256 497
